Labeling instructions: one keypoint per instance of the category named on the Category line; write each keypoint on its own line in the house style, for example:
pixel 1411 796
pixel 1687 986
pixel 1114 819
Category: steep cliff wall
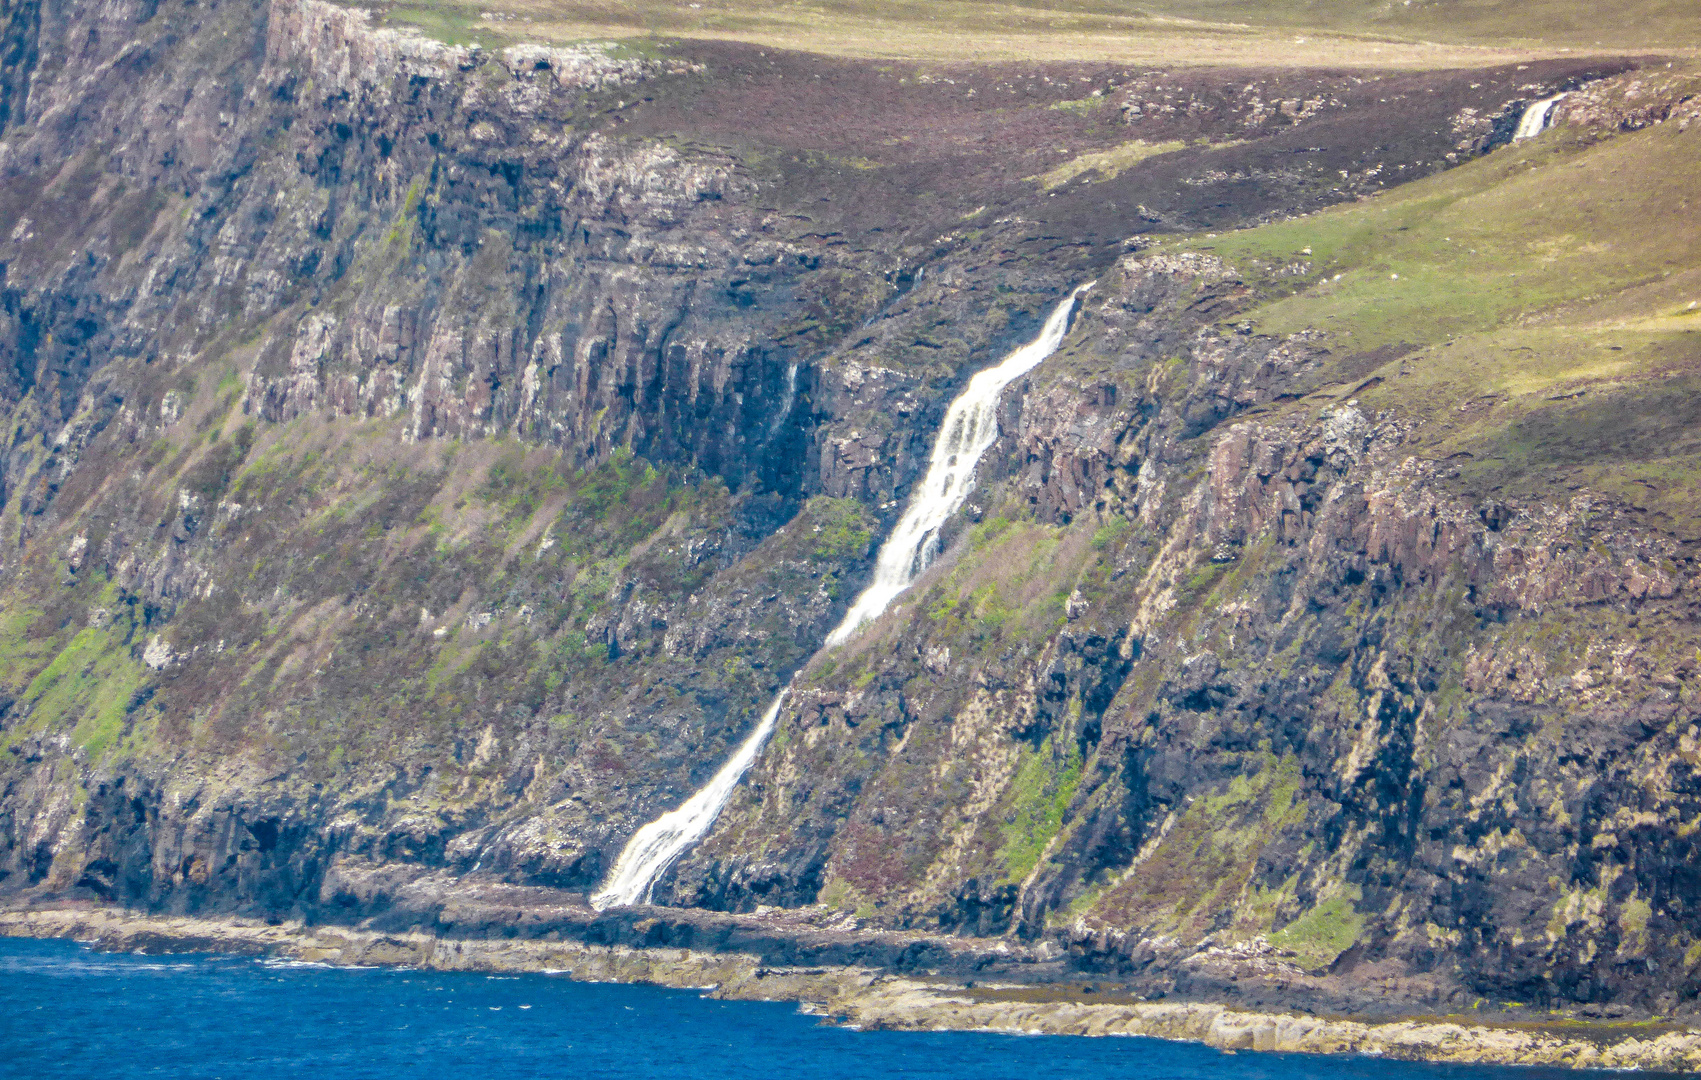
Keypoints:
pixel 1275 667
pixel 1283 687
pixel 423 460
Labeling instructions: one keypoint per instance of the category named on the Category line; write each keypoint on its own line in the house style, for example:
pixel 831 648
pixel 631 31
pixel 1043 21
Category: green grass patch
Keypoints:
pixel 448 23
pixel 21 652
pixel 90 687
pixel 1325 931
pixel 1041 792
pixel 1531 226
pixel 840 529
pixel 1106 164
pixel 1086 106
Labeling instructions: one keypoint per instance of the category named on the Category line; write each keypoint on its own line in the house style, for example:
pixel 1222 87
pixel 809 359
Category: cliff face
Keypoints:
pixel 429 460
pixel 1285 704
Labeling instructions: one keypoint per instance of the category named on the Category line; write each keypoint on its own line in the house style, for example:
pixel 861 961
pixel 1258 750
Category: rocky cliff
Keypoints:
pixel 423 462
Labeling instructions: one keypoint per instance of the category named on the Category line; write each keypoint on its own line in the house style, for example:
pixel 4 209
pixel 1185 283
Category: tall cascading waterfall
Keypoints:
pixel 1535 118
pixel 971 425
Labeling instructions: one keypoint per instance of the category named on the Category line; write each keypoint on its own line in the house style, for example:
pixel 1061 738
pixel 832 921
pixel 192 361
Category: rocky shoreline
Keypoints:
pixel 866 998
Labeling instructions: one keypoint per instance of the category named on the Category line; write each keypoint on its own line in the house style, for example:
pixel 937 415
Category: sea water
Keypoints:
pixel 69 1012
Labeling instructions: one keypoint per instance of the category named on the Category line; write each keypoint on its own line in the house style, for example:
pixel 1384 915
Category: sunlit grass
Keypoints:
pixel 1545 304
pixel 1182 32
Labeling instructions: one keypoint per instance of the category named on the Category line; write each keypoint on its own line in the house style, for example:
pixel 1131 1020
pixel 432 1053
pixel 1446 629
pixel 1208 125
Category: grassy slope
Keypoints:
pixel 1419 34
pixel 1637 24
pixel 1546 301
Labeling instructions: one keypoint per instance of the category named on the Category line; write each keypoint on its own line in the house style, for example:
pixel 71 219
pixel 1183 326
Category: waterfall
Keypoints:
pixel 971 425
pixel 1535 118
pixel 653 848
pixel 787 402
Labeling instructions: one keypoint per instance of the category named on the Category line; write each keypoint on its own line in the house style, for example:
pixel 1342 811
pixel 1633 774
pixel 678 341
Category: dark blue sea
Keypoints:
pixel 67 1012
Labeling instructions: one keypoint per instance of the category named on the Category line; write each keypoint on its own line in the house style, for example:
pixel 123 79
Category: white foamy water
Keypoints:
pixel 1535 118
pixel 653 848
pixel 971 425
pixel 787 402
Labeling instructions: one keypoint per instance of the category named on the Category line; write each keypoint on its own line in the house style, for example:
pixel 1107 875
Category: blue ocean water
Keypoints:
pixel 68 1012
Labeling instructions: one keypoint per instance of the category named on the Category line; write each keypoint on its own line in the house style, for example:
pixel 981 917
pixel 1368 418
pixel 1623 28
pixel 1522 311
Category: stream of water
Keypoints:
pixel 971 426
pixel 1535 118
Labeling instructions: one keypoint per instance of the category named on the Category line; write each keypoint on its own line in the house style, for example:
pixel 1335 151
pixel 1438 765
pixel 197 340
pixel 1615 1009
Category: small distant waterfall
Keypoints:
pixel 971 425
pixel 1535 118
pixel 787 402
